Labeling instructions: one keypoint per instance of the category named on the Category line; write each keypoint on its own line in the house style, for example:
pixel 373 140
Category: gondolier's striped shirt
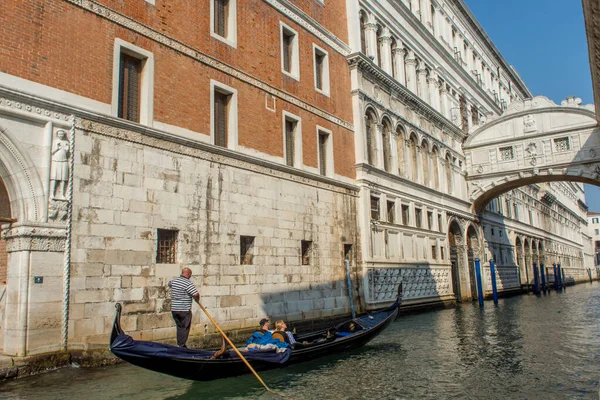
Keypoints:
pixel 182 290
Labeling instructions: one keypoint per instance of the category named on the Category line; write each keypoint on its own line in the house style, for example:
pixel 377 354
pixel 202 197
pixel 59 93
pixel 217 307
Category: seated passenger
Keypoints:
pixel 263 337
pixel 282 335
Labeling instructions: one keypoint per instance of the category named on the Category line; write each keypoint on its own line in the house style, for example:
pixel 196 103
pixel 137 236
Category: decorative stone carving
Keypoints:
pixel 58 209
pixel 529 124
pixel 59 171
pixel 34 238
pixel 417 282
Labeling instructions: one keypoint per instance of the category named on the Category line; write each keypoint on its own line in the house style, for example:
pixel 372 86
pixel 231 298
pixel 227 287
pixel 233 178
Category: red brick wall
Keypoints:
pixel 58 44
pixel 4 212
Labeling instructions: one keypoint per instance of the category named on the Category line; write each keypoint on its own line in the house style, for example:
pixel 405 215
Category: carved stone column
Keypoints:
pixel 386 51
pixel 38 250
pixel 399 71
pixel 433 84
pixel 445 109
pixel 422 81
pixel 411 71
pixel 371 39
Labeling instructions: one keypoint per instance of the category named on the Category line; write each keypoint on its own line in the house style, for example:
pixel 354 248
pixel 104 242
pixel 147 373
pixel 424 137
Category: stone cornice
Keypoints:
pixel 174 44
pixel 360 61
pixel 307 22
pixel 38 237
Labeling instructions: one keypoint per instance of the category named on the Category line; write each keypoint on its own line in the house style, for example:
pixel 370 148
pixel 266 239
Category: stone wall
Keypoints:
pixel 127 189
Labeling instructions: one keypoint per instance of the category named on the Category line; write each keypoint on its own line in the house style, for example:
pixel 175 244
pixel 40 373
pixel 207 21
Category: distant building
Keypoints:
pixel 594 233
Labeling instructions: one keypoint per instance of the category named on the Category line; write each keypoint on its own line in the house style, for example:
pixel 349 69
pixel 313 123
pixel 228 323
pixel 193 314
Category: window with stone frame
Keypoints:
pixel 221 111
pixel 321 66
pixel 562 144
pixel 246 250
pixel 291 128
pixel 290 59
pixel 405 214
pixel 418 217
pixel 375 208
pixel 130 72
pixel 166 246
pixel 440 225
pixel 307 250
pixel 433 252
pixel 430 220
pixel 442 253
pixel 506 153
pixel 391 212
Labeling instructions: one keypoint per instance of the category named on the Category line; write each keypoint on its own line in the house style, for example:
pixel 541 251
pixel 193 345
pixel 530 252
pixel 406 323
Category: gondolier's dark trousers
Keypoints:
pixel 183 320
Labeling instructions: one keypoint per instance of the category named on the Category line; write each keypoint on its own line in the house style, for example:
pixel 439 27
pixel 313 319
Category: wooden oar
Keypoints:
pixel 236 350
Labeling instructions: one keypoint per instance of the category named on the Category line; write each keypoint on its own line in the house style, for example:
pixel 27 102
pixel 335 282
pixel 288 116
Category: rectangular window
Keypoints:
pixel 289 52
pixel 130 71
pixel 223 21
pixel 348 253
pixel 291 137
pixel 430 220
pixel 246 250
pixel 405 214
pixel 442 253
pixel 375 208
pixel 562 144
pixel 597 231
pixel 506 153
pixel 391 211
pixel 493 231
pixel 418 216
pixel 595 220
pixel 166 248
pixel 440 225
pixel 221 103
pixel 433 252
pixel 323 141
pixel 321 61
pixel 224 115
pixel 306 248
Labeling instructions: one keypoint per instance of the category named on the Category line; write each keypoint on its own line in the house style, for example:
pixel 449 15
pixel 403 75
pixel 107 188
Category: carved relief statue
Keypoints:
pixel 59 171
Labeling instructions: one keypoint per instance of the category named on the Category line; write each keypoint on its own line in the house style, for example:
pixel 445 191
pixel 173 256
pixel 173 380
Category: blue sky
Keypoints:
pixel 545 41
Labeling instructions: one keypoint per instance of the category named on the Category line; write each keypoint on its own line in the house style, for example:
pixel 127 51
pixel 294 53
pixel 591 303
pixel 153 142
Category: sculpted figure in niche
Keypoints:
pixel 59 172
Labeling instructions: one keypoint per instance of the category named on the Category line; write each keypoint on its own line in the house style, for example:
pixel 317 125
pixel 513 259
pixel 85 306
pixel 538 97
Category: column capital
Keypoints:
pixel 399 50
pixel 371 26
pixel 35 237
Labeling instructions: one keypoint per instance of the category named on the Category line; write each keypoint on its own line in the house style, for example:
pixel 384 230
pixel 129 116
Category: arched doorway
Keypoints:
pixel 5 215
pixel 472 253
pixel 527 265
pixel 455 242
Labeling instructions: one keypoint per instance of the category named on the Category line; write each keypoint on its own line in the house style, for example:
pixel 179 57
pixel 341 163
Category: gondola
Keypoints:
pixel 207 365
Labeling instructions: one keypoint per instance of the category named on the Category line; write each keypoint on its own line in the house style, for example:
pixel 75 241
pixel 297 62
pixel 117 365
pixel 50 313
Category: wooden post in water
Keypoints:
pixel 479 283
pixel 543 272
pixel 536 284
pixel 555 277
pixel 493 276
pixel 559 273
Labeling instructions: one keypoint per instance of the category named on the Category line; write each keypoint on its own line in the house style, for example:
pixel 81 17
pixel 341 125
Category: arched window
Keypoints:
pixel 394 66
pixel 387 133
pixel 435 156
pixel 425 162
pixel 400 151
pixel 413 157
pixel 371 130
pixel 363 41
pixel 379 33
pixel 449 174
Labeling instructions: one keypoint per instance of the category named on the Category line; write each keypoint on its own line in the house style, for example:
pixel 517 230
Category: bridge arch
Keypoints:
pixel 534 141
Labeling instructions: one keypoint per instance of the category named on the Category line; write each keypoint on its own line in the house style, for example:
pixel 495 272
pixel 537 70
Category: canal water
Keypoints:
pixel 528 347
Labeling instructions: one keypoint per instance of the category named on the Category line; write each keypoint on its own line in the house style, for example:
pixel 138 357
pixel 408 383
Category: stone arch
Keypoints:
pixel 371 119
pixel 386 143
pixel 21 179
pixel 400 144
pixel 435 162
pixel 425 162
pixel 473 252
pixel 528 263
pixel 456 245
pixel 414 153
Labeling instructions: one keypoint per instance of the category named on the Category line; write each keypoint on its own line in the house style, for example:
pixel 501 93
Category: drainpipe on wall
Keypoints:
pixel 67 264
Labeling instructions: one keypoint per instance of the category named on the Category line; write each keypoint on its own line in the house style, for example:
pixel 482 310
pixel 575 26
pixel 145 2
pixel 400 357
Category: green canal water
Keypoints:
pixel 528 347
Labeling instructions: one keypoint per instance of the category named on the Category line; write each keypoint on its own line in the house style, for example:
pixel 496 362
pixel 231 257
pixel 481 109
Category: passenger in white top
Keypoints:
pixel 182 293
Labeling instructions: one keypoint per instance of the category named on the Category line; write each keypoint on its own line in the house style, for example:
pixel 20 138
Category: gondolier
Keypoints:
pixel 182 293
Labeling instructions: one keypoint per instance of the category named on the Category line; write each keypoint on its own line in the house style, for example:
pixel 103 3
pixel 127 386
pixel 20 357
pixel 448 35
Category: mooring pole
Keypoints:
pixel 536 284
pixel 350 293
pixel 559 273
pixel 543 272
pixel 555 277
pixel 479 283
pixel 493 276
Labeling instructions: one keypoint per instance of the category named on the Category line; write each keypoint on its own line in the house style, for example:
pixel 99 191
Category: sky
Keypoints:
pixel 545 41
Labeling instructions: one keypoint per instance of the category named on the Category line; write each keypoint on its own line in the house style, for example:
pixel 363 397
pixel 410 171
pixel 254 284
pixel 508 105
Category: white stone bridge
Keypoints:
pixel 533 141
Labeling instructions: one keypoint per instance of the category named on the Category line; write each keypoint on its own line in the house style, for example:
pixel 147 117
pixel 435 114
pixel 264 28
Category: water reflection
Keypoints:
pixel 527 347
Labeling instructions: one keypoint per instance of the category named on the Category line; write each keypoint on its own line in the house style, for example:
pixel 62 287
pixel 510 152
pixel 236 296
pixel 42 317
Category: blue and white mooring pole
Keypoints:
pixel 493 276
pixel 479 283
pixel 555 277
pixel 536 284
pixel 559 273
pixel 543 272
